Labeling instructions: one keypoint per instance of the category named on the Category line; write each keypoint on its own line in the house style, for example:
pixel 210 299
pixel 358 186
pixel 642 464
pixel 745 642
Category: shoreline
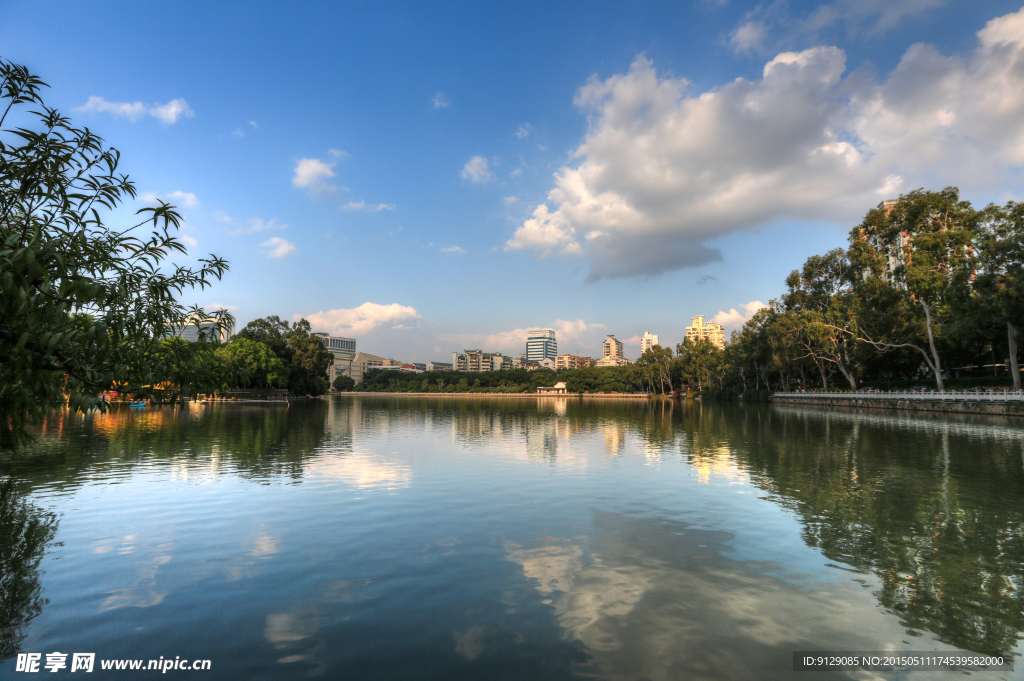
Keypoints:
pixel 630 396
pixel 989 408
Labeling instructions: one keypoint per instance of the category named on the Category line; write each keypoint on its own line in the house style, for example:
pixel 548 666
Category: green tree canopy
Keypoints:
pixel 83 305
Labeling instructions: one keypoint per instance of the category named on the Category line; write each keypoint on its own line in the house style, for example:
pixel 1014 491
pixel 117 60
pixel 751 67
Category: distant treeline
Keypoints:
pixel 591 379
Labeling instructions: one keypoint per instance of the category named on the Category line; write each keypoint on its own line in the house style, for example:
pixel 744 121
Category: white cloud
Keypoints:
pixel 168 113
pixel 476 170
pixel 734 319
pixel 362 319
pixel 213 307
pixel 453 249
pixel 258 226
pixel 663 171
pixel 440 101
pixel 178 199
pixel 254 126
pixel 748 37
pixel 363 207
pixel 188 240
pixel 238 133
pixel 276 247
pixel 312 174
pixel 509 200
pixel 524 131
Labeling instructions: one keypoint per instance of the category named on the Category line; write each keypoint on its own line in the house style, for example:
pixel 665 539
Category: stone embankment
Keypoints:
pixel 1003 403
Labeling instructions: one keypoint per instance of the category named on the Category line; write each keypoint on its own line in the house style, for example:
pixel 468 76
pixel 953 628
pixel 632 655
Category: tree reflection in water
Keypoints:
pixel 930 504
pixel 25 532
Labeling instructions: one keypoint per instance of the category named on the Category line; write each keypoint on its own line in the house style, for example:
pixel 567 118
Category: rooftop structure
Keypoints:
pixel 713 332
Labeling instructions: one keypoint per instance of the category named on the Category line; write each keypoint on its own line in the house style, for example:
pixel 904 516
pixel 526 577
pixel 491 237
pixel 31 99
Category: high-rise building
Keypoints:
pixel 648 341
pixel 713 332
pixel 541 344
pixel 611 347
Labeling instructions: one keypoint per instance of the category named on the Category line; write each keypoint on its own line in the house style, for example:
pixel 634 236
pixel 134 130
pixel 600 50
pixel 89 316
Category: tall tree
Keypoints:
pixel 83 305
pixel 919 245
pixel 999 281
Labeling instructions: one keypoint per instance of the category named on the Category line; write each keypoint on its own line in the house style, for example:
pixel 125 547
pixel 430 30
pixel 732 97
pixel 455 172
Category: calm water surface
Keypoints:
pixel 375 538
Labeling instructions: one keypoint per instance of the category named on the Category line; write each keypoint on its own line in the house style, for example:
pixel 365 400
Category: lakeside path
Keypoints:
pixel 629 396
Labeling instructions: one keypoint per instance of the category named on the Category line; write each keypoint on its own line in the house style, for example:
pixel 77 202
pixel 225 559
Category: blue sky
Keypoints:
pixel 431 178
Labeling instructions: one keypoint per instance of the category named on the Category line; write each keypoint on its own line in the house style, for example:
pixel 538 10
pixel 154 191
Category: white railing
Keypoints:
pixel 949 395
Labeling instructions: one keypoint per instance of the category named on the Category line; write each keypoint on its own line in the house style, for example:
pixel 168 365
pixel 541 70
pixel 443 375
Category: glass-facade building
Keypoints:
pixel 541 344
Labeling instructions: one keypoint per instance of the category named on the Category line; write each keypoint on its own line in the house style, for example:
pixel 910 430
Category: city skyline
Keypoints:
pixel 422 151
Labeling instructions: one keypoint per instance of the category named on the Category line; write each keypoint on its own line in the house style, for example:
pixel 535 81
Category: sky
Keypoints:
pixel 427 178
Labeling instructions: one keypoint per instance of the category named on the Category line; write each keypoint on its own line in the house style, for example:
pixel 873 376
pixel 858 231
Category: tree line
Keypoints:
pixel 928 288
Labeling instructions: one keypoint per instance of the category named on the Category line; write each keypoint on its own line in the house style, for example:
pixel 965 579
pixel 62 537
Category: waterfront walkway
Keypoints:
pixel 921 395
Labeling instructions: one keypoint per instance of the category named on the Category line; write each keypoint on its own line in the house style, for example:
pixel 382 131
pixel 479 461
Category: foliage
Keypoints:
pixel 343 383
pixel 252 364
pixel 83 305
pixel 302 354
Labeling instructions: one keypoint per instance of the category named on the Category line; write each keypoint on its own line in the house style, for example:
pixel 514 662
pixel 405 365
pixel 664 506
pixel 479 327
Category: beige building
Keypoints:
pixel 572 362
pixel 206 326
pixel 343 350
pixel 363 362
pixel 612 362
pixel 713 332
pixel 611 347
pixel 557 389
pixel 477 360
pixel 648 341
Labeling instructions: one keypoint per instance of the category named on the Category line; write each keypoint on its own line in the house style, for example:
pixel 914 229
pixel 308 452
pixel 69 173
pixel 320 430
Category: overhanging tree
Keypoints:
pixel 83 305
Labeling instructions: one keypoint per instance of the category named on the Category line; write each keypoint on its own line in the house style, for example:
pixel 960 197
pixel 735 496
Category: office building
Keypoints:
pixel 207 326
pixel 648 341
pixel 541 344
pixel 709 330
pixel 477 360
pixel 343 350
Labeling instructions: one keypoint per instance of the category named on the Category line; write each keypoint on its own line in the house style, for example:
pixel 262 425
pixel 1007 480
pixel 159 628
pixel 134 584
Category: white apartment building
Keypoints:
pixel 713 332
pixel 477 360
pixel 648 341
pixel 541 344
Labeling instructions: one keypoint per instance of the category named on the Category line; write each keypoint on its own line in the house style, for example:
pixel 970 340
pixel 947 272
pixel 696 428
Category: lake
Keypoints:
pixel 364 537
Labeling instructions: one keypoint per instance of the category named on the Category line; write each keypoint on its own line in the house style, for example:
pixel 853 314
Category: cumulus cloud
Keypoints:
pixel 453 249
pixel 363 207
pixel 179 199
pixel 312 174
pixel 664 171
pixel 734 319
pixel 258 226
pixel 440 101
pixel 168 113
pixel 476 170
pixel 276 247
pixel 569 335
pixel 359 320
pixel 188 240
